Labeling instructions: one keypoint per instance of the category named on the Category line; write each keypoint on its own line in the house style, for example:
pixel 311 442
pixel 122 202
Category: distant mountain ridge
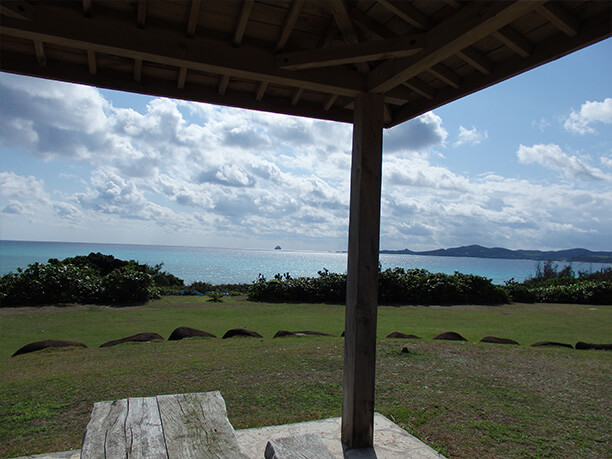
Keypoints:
pixel 477 251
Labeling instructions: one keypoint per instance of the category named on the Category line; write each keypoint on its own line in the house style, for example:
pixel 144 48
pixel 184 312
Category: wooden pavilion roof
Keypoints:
pixel 303 57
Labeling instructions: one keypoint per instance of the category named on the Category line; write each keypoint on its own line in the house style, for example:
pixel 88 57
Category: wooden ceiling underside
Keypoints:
pixel 303 57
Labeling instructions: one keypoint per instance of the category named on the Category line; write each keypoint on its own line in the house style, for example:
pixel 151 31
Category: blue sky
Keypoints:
pixel 524 164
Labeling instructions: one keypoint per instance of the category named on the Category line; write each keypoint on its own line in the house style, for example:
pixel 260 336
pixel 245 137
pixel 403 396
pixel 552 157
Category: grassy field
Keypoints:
pixel 464 399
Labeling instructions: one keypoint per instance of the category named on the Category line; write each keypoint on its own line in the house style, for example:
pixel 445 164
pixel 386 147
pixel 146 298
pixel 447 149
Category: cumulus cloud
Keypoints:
pixel 470 136
pixel 419 134
pixel 553 157
pixel 590 112
pixel 16 207
pixel 22 187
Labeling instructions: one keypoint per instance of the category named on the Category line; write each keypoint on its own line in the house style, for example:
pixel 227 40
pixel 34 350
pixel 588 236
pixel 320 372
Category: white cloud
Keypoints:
pixel 470 136
pixel 590 112
pixel 22 187
pixel 17 207
pixel 553 157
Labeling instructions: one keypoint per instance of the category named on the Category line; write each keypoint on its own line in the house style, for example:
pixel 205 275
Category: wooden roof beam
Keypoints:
pixel 330 101
pixel 560 17
pixel 476 60
pixel 247 6
pixel 138 70
pixel 366 22
pixel 17 9
pixel 408 13
pixel 471 23
pixel 87 10
pixel 347 29
pixel 514 40
pixel 182 78
pixel 297 94
pixel 289 24
pixel 91 61
pixel 261 90
pixel 210 56
pixel 223 85
pixel 194 17
pixel 141 14
pixel 421 88
pixel 553 48
pixel 352 54
pixel 39 49
pixel 445 74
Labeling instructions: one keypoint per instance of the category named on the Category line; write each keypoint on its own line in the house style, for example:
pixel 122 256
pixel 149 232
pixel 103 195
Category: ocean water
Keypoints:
pixel 217 265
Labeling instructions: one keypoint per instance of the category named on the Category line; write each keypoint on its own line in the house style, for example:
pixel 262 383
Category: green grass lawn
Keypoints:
pixel 465 399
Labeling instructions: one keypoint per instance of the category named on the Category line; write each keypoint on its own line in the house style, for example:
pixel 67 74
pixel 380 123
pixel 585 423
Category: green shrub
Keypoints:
pixel 128 285
pixel 395 286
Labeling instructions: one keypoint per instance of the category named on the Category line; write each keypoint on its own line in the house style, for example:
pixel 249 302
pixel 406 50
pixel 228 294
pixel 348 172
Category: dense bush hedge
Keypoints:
pixel 395 286
pixel 553 285
pixel 95 278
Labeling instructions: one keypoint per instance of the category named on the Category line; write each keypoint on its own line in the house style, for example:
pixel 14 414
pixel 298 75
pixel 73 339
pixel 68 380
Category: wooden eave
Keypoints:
pixel 304 57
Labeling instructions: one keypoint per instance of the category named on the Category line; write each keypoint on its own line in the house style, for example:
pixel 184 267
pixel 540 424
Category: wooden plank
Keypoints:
pixel 553 48
pixel 194 16
pixel 17 9
pixel 476 60
pixel 169 49
pixel 141 16
pixel 201 418
pixel 91 61
pixel 514 40
pixel 297 447
pixel 39 48
pixel 362 276
pixel 347 28
pixel 144 436
pixel 560 17
pixel 261 90
pixel 247 6
pixel 470 24
pixel 445 74
pixel 289 24
pixel 104 435
pixel 408 13
pixel 351 54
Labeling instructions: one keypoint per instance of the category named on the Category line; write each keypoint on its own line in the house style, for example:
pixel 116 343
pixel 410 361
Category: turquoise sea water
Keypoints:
pixel 216 265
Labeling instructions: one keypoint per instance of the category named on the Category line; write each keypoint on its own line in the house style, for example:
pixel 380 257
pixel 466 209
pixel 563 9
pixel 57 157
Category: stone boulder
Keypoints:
pixel 450 336
pixel 580 345
pixel 551 343
pixel 241 332
pixel 188 332
pixel 400 335
pixel 496 340
pixel 40 345
pixel 283 333
pixel 138 338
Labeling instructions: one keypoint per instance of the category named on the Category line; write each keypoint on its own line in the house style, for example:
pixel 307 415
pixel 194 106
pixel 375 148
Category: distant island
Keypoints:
pixel 278 247
pixel 477 251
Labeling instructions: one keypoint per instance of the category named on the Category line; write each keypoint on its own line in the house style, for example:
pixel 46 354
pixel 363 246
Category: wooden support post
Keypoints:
pixel 362 278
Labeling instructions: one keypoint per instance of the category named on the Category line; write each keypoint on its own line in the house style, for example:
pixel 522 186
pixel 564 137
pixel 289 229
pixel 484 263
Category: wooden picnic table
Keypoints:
pixel 165 426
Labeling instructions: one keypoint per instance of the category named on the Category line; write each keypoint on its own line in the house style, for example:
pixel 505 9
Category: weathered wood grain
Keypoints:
pixel 104 435
pixel 196 425
pixel 144 436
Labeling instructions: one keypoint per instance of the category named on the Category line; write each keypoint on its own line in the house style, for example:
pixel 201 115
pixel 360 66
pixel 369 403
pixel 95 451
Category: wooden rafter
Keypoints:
pixel 289 24
pixel 297 94
pixel 247 6
pixel 365 21
pixel 545 51
pixel 408 13
pixel 39 49
pixel 261 90
pixel 141 17
pixel 170 49
pixel 331 100
pixel 182 78
pixel 514 40
pixel 223 84
pixel 194 16
pixel 560 17
pixel 421 88
pixel 365 52
pixel 476 60
pixel 87 10
pixel 470 24
pixel 347 28
pixel 91 61
pixel 446 75
pixel 17 9
pixel 138 70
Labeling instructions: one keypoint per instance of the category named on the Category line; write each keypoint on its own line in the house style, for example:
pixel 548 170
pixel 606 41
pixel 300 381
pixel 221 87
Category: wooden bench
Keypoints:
pixel 166 426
